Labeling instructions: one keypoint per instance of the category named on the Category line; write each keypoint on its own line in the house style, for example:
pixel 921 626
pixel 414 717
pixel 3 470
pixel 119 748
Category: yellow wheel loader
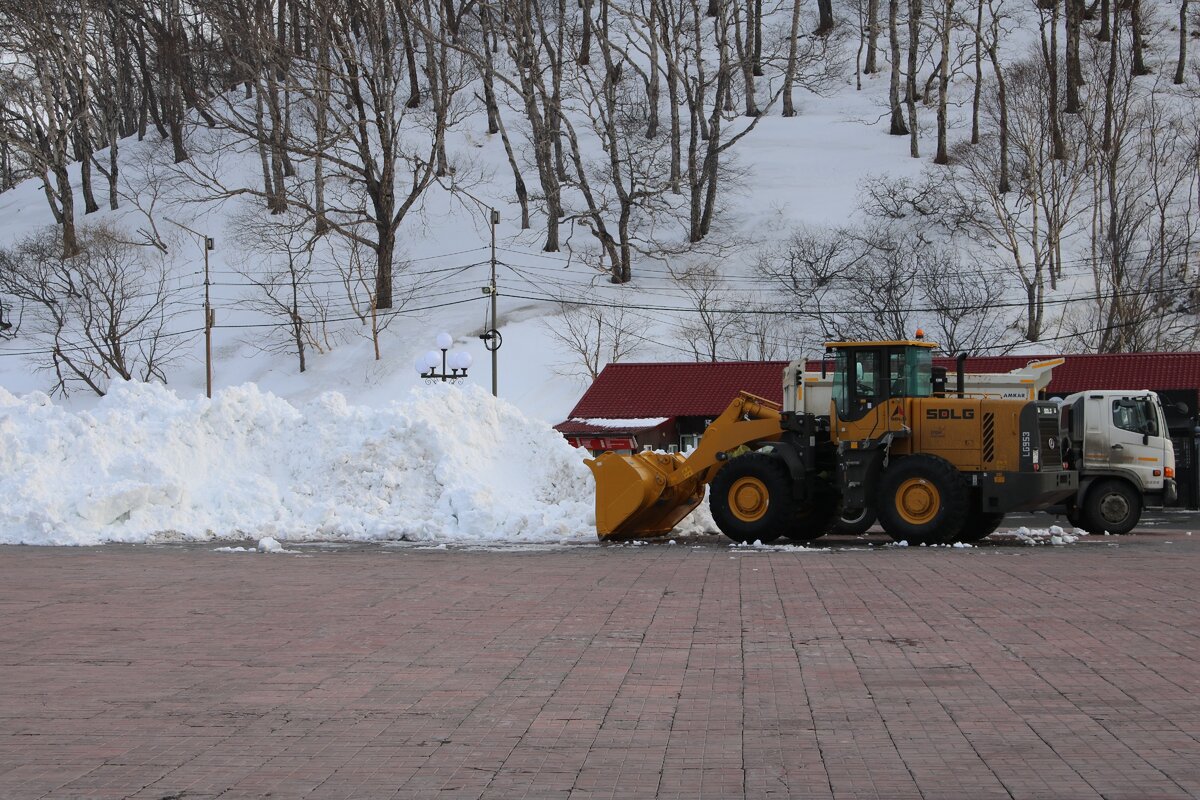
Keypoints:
pixel 938 466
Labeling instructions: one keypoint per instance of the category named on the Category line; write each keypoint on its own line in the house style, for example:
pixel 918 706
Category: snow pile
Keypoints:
pixel 446 463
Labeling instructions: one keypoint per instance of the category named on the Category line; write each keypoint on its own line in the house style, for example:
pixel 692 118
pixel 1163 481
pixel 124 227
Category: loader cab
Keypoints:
pixel 868 374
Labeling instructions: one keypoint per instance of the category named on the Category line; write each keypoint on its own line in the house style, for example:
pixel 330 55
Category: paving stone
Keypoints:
pixel 687 671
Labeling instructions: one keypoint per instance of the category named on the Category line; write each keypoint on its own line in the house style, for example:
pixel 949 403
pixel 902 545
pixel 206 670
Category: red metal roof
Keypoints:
pixel 690 389
pixel 1156 371
pixel 704 389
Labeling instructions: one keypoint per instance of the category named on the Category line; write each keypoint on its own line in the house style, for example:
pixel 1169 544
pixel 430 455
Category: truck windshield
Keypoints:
pixel 1136 414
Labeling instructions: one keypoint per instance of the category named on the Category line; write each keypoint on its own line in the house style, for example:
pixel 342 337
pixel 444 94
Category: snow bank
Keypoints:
pixel 446 463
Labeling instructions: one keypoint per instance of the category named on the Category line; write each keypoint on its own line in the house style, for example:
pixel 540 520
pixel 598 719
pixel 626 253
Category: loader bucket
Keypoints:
pixel 635 496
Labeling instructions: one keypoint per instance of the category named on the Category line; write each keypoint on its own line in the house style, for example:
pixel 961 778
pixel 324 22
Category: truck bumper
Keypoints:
pixel 1170 492
pixel 1026 491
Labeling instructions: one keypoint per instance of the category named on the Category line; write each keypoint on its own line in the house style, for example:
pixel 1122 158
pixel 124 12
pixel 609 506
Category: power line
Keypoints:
pixel 1098 297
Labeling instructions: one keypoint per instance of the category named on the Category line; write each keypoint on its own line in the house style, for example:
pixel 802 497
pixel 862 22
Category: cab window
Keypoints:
pixel 856 382
pixel 911 372
pixel 1135 414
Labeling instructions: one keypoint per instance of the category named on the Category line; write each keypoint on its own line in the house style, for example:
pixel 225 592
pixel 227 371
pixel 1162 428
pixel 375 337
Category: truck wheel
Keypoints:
pixel 816 520
pixel 979 525
pixel 859 524
pixel 924 500
pixel 1111 506
pixel 751 498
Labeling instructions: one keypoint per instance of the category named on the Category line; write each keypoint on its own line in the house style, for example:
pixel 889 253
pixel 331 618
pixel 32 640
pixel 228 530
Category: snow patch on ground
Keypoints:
pixel 1054 535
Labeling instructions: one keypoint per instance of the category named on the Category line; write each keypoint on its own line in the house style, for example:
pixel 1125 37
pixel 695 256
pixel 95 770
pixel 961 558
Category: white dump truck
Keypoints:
pixel 1117 441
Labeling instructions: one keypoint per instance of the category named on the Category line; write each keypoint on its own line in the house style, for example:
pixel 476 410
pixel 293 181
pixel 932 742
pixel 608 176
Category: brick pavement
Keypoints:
pixel 619 672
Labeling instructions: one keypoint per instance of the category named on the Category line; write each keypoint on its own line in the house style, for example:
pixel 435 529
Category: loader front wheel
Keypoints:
pixel 924 500
pixel 751 498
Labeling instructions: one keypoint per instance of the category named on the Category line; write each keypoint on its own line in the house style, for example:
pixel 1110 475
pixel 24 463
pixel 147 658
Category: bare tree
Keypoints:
pixel 594 335
pixel 35 112
pixel 280 254
pixel 382 154
pixel 713 320
pixel 100 315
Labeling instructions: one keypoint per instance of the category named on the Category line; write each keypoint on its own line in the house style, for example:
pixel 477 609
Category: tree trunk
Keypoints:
pixel 744 64
pixel 1003 183
pixel 1183 34
pixel 978 93
pixel 1050 54
pixel 825 17
pixel 1110 81
pixel 66 204
pixel 585 40
pixel 789 76
pixel 872 63
pixel 943 156
pixel 673 100
pixel 758 26
pixel 1135 24
pixel 410 58
pixel 652 81
pixel 914 42
pixel 1074 19
pixel 898 127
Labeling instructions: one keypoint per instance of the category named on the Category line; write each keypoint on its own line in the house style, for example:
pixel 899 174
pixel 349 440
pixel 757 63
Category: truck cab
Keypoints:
pixel 1118 440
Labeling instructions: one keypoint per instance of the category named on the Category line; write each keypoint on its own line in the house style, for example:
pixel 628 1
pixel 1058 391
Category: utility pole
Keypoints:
pixel 208 322
pixel 207 243
pixel 495 219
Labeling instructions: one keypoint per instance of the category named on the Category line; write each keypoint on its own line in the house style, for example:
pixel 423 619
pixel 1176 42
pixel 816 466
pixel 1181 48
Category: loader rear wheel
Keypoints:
pixel 751 498
pixel 924 500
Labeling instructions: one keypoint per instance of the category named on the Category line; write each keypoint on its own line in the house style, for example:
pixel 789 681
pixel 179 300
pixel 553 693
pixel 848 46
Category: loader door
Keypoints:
pixel 857 383
pixel 872 386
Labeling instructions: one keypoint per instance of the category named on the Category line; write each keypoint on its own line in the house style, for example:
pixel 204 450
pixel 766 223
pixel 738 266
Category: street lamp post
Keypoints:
pixel 454 365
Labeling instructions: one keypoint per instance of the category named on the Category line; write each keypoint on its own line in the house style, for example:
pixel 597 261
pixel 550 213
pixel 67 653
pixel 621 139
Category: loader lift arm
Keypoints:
pixel 647 494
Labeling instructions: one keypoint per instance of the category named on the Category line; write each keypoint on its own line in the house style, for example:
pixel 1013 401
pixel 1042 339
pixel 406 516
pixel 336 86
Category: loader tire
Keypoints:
pixel 859 524
pixel 815 520
pixel 1110 506
pixel 923 500
pixel 751 498
pixel 979 525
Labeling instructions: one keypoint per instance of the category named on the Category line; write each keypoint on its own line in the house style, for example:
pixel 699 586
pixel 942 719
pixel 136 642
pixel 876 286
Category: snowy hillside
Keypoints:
pixel 673 180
